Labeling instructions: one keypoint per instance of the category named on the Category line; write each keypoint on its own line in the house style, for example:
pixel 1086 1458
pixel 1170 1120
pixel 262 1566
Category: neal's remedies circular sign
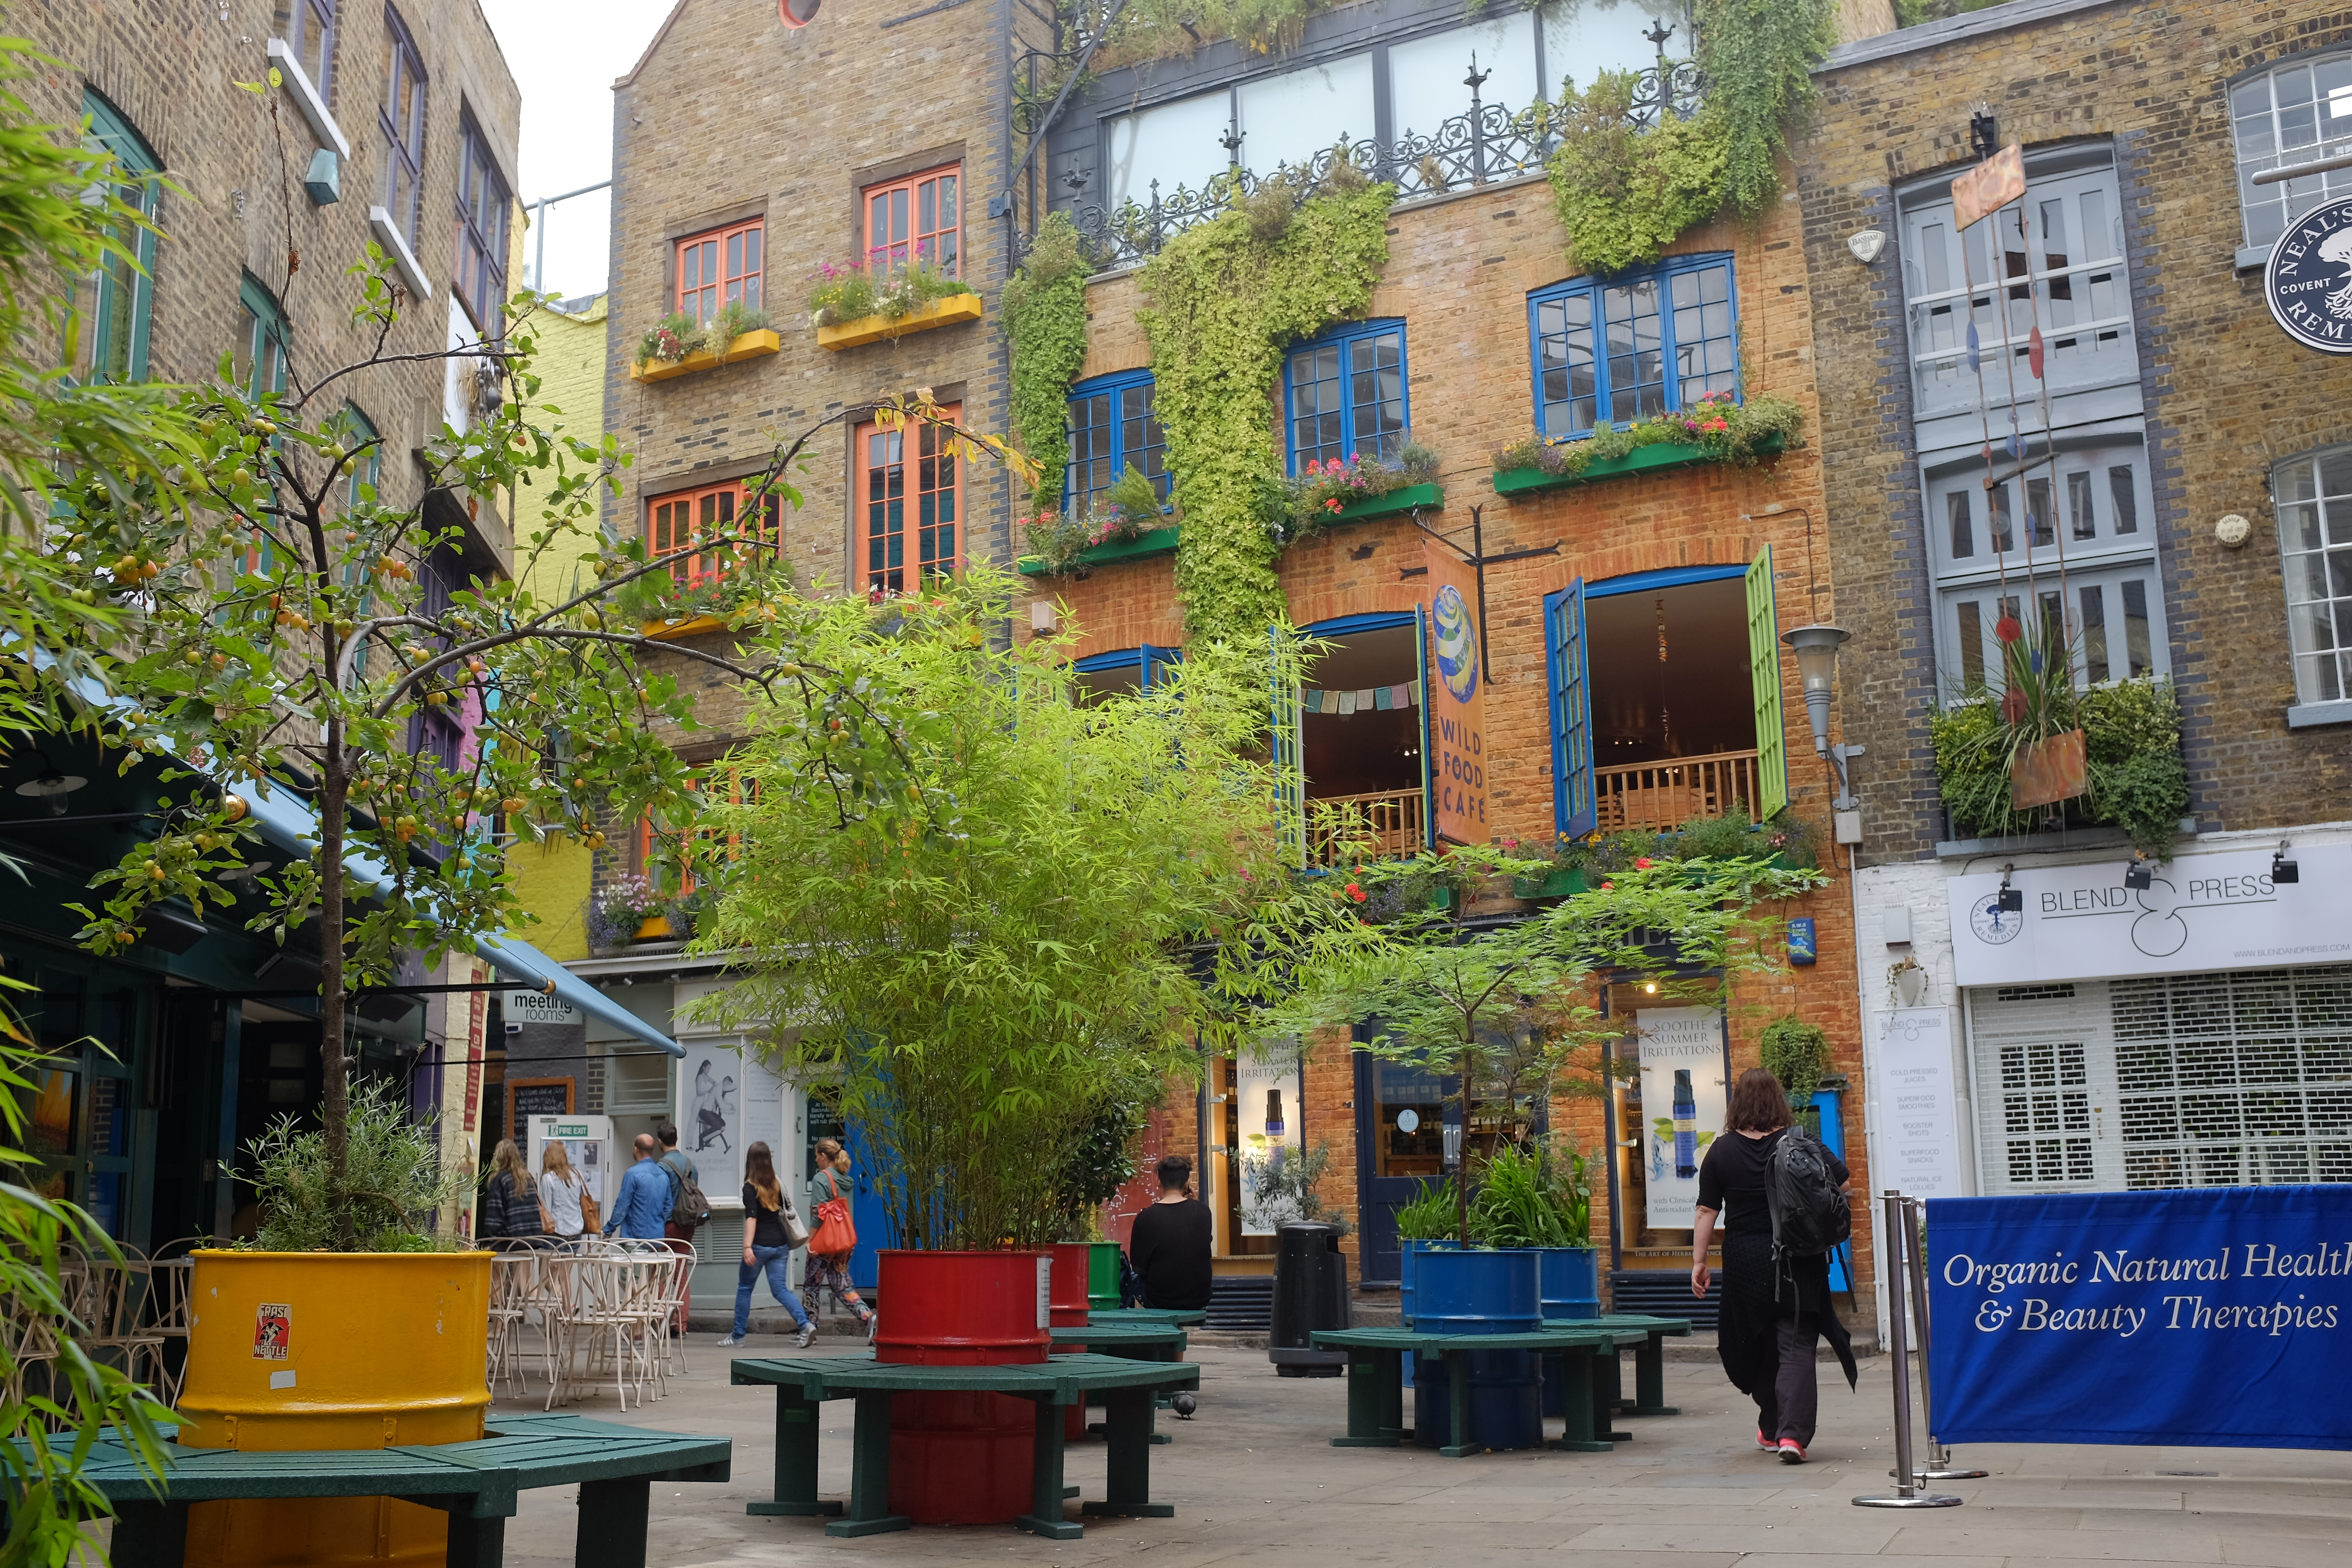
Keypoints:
pixel 2308 282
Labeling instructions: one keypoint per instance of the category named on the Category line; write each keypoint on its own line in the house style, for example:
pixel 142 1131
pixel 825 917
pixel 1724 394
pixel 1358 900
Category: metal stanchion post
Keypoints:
pixel 1908 1491
pixel 1939 1465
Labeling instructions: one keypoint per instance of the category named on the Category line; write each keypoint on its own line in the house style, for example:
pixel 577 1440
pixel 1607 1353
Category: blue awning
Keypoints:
pixel 288 822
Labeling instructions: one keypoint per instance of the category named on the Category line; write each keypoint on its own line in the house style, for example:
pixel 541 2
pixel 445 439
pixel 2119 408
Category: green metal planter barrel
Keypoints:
pixel 1102 1276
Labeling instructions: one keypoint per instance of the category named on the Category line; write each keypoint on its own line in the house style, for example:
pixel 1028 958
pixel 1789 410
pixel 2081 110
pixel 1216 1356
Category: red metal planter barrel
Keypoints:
pixel 962 1459
pixel 1073 1263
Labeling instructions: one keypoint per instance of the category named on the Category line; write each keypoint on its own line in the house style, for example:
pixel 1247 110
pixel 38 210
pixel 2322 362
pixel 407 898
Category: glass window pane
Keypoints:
pixel 2119 489
pixel 1957 507
pixel 2094 634
pixel 2039 521
pixel 2078 506
pixel 1972 635
pixel 2135 633
pixel 1293 118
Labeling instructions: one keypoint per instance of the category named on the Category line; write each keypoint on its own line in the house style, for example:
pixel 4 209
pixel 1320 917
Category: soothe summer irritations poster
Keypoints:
pixel 1682 1107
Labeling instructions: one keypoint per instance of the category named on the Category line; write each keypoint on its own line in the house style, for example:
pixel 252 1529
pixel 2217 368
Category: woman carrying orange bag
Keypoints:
pixel 835 1239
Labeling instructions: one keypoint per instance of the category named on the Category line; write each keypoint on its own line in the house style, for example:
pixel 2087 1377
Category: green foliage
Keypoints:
pixel 1531 1198
pixel 2131 729
pixel 1128 510
pixel 1732 836
pixel 1429 1216
pixel 1757 56
pixel 676 336
pixel 1283 1186
pixel 1226 304
pixel 1911 13
pixel 1101 1159
pixel 1622 193
pixel 1165 29
pixel 388 1188
pixel 852 292
pixel 1797 1053
pixel 1723 429
pixel 1311 501
pixel 1045 314
pixel 980 969
pixel 61 1406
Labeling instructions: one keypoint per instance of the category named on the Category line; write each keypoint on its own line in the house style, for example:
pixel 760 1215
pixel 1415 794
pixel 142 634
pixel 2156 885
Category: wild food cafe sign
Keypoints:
pixel 1457 700
pixel 2206 1315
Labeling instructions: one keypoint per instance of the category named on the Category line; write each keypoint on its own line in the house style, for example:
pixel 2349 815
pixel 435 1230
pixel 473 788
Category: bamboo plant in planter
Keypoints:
pixel 983 972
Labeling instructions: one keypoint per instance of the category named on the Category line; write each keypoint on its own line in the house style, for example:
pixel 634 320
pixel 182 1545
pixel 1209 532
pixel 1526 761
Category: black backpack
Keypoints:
pixel 1810 1216
pixel 688 1209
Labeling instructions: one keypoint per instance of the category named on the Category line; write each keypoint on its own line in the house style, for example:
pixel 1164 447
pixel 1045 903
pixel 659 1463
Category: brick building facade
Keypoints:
pixel 2183 467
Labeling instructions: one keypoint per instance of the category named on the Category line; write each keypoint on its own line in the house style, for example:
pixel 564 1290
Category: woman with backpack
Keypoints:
pixel 1775 1299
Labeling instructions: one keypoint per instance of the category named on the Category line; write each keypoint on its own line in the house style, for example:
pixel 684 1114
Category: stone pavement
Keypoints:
pixel 1254 1480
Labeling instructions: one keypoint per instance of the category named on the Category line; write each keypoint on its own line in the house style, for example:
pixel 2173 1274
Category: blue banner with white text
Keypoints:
pixel 2210 1317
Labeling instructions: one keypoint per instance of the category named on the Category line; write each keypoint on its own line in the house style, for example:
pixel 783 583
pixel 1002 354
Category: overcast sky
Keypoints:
pixel 565 55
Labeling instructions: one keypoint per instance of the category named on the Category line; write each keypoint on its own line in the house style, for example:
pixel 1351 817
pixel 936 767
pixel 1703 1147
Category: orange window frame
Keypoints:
pixel 704 521
pixel 918 218
pixel 691 839
pixel 721 267
pixel 909 524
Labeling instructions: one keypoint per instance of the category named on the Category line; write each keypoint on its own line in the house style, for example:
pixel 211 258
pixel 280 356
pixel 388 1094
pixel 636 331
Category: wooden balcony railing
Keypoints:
pixel 1364 826
pixel 1671 791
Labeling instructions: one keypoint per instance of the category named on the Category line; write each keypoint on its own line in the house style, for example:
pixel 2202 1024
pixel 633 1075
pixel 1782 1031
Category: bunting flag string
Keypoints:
pixel 1368 700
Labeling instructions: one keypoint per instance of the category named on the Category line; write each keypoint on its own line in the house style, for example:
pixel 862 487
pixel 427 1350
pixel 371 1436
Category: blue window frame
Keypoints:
pixel 1611 351
pixel 1344 396
pixel 1113 423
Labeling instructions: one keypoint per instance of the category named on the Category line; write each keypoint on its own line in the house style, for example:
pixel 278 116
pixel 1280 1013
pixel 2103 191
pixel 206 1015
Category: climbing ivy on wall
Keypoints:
pixel 1045 314
pixel 1625 192
pixel 1227 299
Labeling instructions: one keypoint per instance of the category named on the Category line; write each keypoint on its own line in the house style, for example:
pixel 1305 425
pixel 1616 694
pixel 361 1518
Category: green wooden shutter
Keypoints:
pixel 1573 805
pixel 1289 754
pixel 1764 669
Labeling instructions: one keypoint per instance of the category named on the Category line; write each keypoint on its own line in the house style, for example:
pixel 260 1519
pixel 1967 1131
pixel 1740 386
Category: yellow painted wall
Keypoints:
pixel 551 880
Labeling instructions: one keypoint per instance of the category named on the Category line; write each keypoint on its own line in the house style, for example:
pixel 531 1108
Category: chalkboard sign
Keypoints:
pixel 537 1097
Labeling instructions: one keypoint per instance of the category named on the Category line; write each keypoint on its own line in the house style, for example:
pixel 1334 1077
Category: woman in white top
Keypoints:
pixel 560 1188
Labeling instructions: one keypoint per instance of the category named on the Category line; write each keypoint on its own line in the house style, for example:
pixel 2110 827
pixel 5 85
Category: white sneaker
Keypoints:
pixel 807 1336
pixel 732 1340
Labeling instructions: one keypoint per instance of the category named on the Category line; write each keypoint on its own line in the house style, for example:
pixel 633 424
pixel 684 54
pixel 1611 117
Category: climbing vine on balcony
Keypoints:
pixel 1624 190
pixel 1227 298
pixel 1045 315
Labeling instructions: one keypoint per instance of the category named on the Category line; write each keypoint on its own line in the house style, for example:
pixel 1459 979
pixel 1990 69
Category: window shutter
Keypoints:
pixel 1152 658
pixel 1573 808
pixel 1764 669
pixel 1290 755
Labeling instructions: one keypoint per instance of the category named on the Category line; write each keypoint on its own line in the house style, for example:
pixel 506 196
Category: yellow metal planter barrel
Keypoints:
pixel 330 1350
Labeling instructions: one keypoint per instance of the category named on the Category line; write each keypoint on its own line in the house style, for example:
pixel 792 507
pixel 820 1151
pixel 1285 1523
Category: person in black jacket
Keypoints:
pixel 511 1202
pixel 1172 1241
pixel 1775 1309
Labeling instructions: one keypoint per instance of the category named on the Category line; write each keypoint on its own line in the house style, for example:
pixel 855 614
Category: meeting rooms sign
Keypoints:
pixel 2200 912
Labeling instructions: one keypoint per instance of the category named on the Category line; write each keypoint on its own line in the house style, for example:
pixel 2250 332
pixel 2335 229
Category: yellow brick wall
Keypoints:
pixel 571 371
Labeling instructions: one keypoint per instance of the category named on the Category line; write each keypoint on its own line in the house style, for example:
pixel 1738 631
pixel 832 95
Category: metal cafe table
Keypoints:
pixel 804 1383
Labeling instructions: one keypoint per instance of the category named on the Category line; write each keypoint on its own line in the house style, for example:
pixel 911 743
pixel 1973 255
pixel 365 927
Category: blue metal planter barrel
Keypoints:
pixel 1571 1290
pixel 1479 1293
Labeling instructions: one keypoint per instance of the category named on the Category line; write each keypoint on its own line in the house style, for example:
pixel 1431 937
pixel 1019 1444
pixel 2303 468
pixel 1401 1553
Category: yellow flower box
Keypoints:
pixel 751 345
pixel 921 318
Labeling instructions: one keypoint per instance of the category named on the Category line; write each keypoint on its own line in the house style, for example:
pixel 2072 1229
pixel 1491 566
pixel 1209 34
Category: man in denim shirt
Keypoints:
pixel 642 1206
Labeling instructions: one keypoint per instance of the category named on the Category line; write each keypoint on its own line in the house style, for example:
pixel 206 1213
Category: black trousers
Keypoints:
pixel 1789 1398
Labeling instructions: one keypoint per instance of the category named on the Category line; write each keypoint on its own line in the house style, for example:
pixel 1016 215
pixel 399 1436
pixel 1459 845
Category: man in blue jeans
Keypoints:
pixel 641 1209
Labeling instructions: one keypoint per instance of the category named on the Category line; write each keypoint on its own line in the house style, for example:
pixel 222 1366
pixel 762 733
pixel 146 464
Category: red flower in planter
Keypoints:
pixel 1355 892
pixel 1642 863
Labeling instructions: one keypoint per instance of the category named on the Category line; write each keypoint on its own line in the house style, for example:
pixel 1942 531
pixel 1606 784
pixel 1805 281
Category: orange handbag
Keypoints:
pixel 835 1234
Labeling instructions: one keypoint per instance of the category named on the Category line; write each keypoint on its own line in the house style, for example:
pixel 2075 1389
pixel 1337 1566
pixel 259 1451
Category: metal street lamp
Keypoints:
pixel 1816 648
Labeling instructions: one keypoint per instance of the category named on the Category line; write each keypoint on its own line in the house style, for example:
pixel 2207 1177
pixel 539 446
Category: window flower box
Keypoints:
pixel 1560 883
pixel 750 345
pixel 1152 541
pixel 1661 456
pixel 1396 503
pixel 923 318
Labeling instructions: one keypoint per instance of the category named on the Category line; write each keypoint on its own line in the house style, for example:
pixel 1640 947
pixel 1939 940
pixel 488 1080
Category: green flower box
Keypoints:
pixel 1656 458
pixel 1558 884
pixel 1152 541
pixel 1396 503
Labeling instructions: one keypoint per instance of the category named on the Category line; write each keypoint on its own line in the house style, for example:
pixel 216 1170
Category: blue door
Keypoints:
pixel 1401 1115
pixel 824 1121
pixel 1831 1131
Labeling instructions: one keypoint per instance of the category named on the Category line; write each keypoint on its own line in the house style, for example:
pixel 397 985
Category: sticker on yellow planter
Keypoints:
pixel 273 1326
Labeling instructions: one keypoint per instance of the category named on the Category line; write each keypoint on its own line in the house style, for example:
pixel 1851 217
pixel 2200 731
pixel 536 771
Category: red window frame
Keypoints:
pixel 918 218
pixel 908 528
pixel 704 519
pixel 719 267
pixel 690 838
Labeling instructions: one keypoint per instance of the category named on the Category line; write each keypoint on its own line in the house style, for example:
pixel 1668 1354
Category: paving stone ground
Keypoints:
pixel 1254 1480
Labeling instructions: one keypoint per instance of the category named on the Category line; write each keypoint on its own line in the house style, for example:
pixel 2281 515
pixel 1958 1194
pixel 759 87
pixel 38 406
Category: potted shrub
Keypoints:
pixel 1124 513
pixel 678 344
pixel 853 304
pixel 1542 1200
pixel 1322 495
pixel 1717 429
pixel 302 1339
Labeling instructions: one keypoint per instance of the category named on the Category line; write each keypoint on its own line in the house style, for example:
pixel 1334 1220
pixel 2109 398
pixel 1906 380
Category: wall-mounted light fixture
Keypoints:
pixel 51 785
pixel 2013 899
pixel 1816 648
pixel 2140 876
pixel 2282 869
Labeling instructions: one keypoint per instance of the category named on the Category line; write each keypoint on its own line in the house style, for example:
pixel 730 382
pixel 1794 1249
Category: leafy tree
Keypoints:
pixel 980 971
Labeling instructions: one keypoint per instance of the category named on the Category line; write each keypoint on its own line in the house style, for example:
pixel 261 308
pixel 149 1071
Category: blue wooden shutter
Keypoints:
pixel 1572 807
pixel 1764 671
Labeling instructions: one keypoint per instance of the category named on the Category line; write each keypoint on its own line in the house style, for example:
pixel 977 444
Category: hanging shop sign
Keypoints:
pixel 1991 185
pixel 2198 913
pixel 2308 281
pixel 1683 1106
pixel 2204 1316
pixel 1268 1086
pixel 538 1007
pixel 1914 1109
pixel 1457 699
